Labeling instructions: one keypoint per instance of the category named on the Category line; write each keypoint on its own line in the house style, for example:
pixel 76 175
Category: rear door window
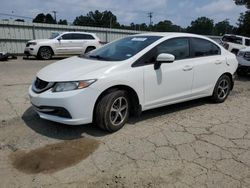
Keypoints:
pixel 67 36
pixel 78 36
pixel 202 47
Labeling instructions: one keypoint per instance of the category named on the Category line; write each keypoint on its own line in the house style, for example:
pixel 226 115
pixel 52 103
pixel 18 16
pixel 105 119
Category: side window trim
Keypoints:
pixel 192 49
pixel 137 63
pixel 67 34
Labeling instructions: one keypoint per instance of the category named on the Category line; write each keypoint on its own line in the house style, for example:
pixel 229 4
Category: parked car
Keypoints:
pixel 234 43
pixel 244 61
pixel 68 43
pixel 217 40
pixel 131 75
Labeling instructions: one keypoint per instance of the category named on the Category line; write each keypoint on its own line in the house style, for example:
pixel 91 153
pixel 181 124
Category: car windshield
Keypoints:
pixel 122 49
pixel 53 35
pixel 233 39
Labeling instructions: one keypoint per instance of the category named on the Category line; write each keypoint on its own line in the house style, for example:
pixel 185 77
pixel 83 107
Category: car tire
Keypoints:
pixel 112 111
pixel 88 49
pixel 45 53
pixel 222 89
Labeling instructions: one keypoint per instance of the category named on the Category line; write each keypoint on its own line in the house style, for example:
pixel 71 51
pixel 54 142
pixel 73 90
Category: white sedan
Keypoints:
pixel 131 75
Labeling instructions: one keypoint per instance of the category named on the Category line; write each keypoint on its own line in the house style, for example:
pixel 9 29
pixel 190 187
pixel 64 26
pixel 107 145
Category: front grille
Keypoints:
pixel 247 56
pixel 40 86
pixel 55 111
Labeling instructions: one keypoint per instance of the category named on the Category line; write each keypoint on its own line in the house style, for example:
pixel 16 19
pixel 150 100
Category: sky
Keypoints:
pixel 180 12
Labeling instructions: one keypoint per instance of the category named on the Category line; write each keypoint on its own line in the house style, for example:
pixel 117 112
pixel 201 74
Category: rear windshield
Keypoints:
pixel 233 39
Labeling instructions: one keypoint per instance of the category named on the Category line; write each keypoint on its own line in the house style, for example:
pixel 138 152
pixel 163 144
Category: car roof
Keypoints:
pixel 232 35
pixel 78 32
pixel 174 34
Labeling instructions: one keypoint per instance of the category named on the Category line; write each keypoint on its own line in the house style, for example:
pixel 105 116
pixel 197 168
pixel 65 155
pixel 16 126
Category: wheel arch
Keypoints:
pixel 231 78
pixel 133 96
pixel 94 47
pixel 53 53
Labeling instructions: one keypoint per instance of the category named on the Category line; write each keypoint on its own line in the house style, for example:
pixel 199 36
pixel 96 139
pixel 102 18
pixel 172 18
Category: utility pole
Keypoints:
pixel 150 15
pixel 54 12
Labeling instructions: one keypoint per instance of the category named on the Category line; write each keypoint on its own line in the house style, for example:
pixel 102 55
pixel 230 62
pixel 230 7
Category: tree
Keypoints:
pixel 244 20
pixel 223 27
pixel 97 19
pixel 166 26
pixel 63 22
pixel 244 24
pixel 202 25
pixel 42 18
pixel 243 2
pixel 19 20
pixel 49 19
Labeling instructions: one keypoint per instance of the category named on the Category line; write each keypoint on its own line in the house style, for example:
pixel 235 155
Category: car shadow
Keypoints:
pixel 53 58
pixel 166 110
pixel 57 130
pixel 67 132
pixel 245 78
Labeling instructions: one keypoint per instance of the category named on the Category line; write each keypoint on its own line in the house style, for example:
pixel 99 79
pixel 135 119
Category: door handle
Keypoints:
pixel 188 68
pixel 218 62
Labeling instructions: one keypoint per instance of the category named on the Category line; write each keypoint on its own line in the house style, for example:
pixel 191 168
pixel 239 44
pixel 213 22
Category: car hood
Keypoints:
pixel 74 68
pixel 40 40
pixel 247 49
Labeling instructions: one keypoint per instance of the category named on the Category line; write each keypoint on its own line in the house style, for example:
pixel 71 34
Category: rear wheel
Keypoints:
pixel 222 89
pixel 112 111
pixel 45 53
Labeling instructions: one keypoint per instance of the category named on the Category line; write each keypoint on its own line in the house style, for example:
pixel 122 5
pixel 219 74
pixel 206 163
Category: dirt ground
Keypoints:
pixel 193 144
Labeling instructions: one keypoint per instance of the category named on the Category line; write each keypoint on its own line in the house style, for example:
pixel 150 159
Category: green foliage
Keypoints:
pixel 244 24
pixel 244 19
pixel 243 2
pixel 63 22
pixel 223 27
pixel 98 19
pixel 42 18
pixel 166 26
pixel 201 25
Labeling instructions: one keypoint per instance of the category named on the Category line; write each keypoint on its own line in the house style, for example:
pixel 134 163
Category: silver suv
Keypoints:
pixel 68 43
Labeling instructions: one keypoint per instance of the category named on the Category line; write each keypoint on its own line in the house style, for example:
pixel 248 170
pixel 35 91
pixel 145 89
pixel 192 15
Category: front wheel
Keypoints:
pixel 112 111
pixel 222 89
pixel 45 53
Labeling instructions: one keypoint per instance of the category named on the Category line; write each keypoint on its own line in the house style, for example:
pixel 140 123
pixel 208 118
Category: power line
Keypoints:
pixel 13 15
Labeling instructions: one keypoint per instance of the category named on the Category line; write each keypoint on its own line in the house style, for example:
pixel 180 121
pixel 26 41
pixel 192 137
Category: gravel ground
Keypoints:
pixel 193 144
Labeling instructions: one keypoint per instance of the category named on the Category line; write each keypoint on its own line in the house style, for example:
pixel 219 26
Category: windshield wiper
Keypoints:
pixel 98 57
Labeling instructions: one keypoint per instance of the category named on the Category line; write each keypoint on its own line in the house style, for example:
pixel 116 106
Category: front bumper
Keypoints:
pixel 30 51
pixel 71 107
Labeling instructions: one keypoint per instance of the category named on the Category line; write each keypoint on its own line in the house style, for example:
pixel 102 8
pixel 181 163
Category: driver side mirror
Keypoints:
pixel 163 58
pixel 59 39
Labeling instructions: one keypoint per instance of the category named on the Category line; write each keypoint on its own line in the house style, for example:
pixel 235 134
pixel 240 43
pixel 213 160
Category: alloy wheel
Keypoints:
pixel 119 110
pixel 223 89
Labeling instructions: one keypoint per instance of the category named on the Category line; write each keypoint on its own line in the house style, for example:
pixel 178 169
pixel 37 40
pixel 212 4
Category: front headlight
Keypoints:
pixel 33 43
pixel 69 86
